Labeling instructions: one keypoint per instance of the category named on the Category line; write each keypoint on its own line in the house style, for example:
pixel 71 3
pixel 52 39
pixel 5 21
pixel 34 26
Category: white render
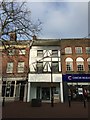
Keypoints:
pixel 44 79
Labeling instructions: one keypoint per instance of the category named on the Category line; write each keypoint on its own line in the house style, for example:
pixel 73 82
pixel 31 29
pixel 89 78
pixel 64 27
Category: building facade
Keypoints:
pixel 45 74
pixel 15 66
pixel 75 57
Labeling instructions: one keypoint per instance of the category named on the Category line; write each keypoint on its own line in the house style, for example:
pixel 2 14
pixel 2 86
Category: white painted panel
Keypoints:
pixel 39 77
pixel 45 77
pixel 57 77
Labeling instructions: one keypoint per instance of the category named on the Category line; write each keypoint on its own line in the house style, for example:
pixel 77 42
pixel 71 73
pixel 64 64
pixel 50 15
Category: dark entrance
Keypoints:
pixel 22 91
pixel 45 93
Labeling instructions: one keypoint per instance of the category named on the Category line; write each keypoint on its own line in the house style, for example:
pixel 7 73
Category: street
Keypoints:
pixel 60 110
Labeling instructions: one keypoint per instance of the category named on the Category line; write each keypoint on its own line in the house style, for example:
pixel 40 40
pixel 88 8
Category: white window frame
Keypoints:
pixel 20 67
pixel 9 67
pixel 88 50
pixel 78 50
pixel 82 66
pixel 39 53
pixel 68 50
pixel 22 52
pixel 69 66
pixel 55 53
pixel 11 52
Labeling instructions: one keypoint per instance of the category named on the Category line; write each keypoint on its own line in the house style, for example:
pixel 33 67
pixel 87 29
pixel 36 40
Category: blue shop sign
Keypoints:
pixel 76 77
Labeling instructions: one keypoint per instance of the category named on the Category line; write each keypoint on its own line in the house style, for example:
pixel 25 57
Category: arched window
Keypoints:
pixel 88 61
pixel 69 64
pixel 80 64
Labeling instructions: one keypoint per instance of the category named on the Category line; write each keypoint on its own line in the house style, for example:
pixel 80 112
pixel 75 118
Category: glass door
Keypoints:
pixel 45 93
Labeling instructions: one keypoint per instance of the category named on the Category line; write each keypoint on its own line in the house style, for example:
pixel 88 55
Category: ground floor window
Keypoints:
pixel 77 91
pixel 8 88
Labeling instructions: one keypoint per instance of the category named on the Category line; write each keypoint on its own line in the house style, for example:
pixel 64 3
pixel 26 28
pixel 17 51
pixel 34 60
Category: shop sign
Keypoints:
pixel 76 77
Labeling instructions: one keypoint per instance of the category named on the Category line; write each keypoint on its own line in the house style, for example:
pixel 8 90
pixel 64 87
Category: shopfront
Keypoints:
pixel 76 83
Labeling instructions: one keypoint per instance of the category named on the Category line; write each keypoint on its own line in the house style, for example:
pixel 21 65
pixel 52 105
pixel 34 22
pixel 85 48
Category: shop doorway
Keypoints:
pixel 45 93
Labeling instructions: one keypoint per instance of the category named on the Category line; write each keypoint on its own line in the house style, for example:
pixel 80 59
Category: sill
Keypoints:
pixel 69 71
pixel 81 72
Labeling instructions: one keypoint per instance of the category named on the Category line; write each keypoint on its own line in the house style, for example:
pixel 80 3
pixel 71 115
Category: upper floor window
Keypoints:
pixel 78 50
pixel 80 64
pixel 22 52
pixel 55 66
pixel 54 53
pixel 11 52
pixel 88 50
pixel 21 67
pixel 68 50
pixel 9 67
pixel 40 53
pixel 69 64
pixel 88 61
pixel 39 67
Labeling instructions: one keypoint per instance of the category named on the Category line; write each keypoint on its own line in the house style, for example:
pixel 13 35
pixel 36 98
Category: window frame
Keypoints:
pixel 78 50
pixel 21 69
pixel 55 64
pixel 11 52
pixel 68 50
pixel 9 67
pixel 87 50
pixel 39 53
pixel 55 53
pixel 21 52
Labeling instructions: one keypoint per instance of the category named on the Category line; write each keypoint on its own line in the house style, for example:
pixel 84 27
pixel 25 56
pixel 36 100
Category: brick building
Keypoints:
pixel 15 66
pixel 75 57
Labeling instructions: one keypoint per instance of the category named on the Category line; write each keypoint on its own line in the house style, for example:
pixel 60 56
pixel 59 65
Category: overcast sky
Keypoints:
pixel 61 19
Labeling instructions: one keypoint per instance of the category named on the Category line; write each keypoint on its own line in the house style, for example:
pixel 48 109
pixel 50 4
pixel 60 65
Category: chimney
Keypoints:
pixel 13 36
pixel 34 37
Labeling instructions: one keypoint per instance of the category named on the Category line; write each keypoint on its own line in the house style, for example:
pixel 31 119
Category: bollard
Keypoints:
pixel 52 102
pixel 69 101
pixel 84 103
pixel 3 103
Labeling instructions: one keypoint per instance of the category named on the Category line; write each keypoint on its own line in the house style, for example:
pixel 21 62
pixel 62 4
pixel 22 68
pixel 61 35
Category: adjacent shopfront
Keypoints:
pixel 76 83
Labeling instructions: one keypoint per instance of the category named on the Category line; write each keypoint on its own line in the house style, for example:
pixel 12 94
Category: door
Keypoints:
pixel 38 92
pixel 17 93
pixel 45 93
pixel 22 91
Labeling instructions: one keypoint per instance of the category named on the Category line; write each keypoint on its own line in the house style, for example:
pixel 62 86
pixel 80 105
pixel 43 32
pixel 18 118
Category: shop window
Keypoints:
pixel 3 88
pixel 68 50
pixel 8 89
pixel 78 50
pixel 9 67
pixel 20 67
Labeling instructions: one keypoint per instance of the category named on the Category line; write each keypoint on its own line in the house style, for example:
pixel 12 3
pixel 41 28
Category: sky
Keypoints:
pixel 60 18
pixel 67 19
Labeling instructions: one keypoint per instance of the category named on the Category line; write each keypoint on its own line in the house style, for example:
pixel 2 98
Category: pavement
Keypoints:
pixel 20 109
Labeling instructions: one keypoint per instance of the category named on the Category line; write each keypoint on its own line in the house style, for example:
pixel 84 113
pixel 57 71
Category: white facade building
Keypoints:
pixel 45 71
